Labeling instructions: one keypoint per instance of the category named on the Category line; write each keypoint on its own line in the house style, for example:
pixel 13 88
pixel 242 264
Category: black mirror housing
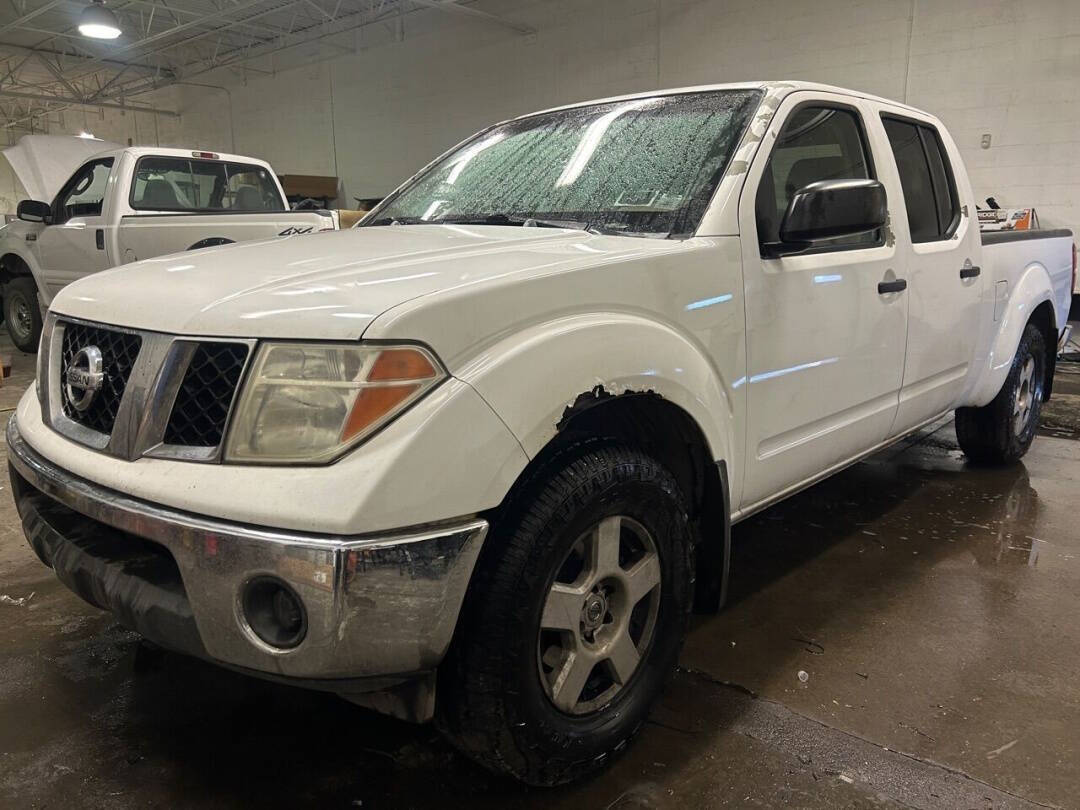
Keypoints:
pixel 831 208
pixel 34 211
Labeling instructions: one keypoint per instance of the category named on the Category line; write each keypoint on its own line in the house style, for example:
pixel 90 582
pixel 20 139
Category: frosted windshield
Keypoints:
pixel 643 167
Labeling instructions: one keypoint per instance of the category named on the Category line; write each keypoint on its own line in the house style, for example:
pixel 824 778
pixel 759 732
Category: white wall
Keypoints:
pixel 373 116
pixel 117 126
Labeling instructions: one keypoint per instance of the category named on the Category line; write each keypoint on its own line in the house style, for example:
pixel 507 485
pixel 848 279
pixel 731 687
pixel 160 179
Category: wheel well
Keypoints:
pixel 12 265
pixel 669 434
pixel 1043 319
pixel 211 241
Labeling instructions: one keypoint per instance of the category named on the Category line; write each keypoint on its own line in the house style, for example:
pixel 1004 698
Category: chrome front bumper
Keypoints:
pixel 377 607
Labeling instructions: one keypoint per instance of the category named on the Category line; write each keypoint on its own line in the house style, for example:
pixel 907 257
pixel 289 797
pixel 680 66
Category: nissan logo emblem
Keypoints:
pixel 84 377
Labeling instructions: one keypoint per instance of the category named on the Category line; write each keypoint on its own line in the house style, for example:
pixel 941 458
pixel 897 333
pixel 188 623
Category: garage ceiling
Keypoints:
pixel 46 65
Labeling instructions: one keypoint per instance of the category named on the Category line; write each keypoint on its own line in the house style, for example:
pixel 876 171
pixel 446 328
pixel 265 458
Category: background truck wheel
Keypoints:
pixel 1002 431
pixel 22 314
pixel 574 620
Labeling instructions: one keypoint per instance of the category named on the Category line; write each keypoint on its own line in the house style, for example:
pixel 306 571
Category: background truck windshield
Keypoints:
pixel 641 167
pixel 182 184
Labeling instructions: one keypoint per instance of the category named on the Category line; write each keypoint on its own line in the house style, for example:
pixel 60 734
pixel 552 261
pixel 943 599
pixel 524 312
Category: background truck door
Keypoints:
pixel 74 244
pixel 945 281
pixel 825 345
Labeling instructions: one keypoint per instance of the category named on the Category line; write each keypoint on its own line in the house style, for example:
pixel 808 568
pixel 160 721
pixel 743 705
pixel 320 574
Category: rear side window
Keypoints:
pixel 933 208
pixel 182 184
pixel 816 143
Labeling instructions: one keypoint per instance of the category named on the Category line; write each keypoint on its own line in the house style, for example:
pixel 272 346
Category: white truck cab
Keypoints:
pixel 477 458
pixel 112 206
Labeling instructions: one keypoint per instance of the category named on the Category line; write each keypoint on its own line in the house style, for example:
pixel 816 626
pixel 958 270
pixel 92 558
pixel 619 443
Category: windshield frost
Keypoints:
pixel 640 167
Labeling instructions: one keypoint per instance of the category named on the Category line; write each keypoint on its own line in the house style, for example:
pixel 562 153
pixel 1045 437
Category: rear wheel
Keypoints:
pixel 575 618
pixel 1002 431
pixel 22 315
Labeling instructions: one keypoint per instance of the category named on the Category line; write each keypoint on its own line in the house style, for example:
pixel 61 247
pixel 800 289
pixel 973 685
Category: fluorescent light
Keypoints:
pixel 98 22
pixel 87 136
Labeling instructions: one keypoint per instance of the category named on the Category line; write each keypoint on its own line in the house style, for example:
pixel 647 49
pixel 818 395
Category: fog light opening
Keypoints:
pixel 274 612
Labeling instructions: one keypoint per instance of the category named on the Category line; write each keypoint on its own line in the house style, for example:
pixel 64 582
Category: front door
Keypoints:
pixel 73 246
pixel 944 283
pixel 825 342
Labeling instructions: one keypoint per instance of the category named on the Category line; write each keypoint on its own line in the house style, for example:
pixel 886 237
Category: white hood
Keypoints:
pixel 328 285
pixel 43 162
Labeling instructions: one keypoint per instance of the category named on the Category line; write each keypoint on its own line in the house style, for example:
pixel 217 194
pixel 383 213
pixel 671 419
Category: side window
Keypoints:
pixel 816 143
pixel 948 203
pixel 84 194
pixel 933 208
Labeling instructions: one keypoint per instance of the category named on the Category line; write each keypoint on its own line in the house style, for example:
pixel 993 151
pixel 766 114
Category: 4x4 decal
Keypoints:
pixel 296 229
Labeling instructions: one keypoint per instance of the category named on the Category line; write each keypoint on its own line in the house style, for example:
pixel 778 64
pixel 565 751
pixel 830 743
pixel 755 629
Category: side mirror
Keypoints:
pixel 35 211
pixel 831 208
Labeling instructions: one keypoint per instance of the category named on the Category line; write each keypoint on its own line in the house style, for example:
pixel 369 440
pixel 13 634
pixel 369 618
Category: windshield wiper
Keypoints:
pixel 523 222
pixel 492 219
pixel 397 221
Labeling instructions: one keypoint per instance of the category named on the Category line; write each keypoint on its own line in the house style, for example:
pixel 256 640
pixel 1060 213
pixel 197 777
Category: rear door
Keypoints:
pixel 825 347
pixel 945 283
pixel 73 246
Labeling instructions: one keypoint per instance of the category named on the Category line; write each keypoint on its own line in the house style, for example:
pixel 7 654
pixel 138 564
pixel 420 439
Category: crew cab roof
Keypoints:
pixel 779 88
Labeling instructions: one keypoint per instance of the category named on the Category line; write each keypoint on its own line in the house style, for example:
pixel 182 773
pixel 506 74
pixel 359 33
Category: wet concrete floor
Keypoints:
pixel 932 605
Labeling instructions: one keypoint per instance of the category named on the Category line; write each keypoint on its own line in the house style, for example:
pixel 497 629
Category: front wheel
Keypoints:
pixel 575 618
pixel 1002 431
pixel 22 315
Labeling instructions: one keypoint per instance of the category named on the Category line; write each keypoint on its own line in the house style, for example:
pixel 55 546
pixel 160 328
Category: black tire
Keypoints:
pixel 22 314
pixel 492 701
pixel 1000 432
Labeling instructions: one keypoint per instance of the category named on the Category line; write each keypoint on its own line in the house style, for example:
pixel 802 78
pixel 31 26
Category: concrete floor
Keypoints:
pixel 933 607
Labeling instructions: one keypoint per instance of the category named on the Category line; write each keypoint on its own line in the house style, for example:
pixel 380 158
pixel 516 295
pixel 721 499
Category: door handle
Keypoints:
pixel 970 272
pixel 99 238
pixel 885 287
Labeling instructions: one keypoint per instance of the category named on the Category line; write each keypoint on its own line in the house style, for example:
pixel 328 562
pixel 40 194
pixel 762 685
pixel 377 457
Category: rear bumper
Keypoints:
pixel 380 607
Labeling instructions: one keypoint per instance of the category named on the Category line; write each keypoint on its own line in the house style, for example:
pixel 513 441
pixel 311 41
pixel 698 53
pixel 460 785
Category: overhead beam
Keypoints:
pixel 108 105
pixel 452 7
pixel 30 15
pixel 114 64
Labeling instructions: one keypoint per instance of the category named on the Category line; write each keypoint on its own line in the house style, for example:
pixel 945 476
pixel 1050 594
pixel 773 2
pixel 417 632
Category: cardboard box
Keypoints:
pixel 1008 219
pixel 309 185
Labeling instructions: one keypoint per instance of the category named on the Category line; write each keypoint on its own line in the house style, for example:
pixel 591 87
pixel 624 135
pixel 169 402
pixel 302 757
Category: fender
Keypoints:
pixel 531 377
pixel 15 244
pixel 1031 289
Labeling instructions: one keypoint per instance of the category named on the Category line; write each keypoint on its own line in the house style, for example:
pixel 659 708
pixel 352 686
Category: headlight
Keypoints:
pixel 310 402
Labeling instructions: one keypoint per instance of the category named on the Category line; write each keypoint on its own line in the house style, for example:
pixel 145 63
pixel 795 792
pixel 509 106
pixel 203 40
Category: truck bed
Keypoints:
pixel 1010 253
pixel 147 235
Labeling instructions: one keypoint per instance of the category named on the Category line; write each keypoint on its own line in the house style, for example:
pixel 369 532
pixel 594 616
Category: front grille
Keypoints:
pixel 118 353
pixel 202 404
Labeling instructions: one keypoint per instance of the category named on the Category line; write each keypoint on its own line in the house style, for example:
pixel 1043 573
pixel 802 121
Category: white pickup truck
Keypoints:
pixel 112 206
pixel 476 459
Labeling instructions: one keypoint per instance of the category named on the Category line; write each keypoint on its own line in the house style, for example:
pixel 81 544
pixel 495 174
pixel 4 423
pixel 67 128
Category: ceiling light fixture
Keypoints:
pixel 98 22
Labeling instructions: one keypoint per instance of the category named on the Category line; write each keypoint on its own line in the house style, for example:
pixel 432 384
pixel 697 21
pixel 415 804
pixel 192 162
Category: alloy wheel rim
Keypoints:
pixel 1023 402
pixel 599 615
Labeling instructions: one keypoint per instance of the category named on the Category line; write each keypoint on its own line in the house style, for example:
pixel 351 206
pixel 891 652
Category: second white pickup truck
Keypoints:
pixel 115 206
pixel 476 459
